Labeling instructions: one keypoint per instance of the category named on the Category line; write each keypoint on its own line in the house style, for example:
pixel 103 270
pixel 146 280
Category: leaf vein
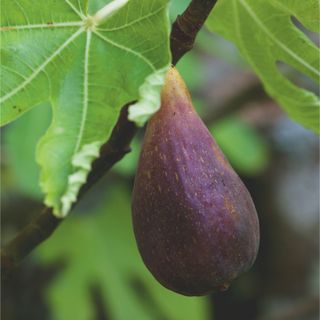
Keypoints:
pixel 273 38
pixel 74 9
pixel 42 26
pixel 41 67
pixel 137 54
pixel 133 21
pixel 85 91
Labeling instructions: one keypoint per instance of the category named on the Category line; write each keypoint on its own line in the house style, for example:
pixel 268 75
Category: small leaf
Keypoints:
pixel 88 59
pixel 265 34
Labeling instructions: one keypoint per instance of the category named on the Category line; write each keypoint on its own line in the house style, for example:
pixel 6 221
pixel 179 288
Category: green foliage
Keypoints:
pixel 99 248
pixel 191 70
pixel 219 47
pixel 21 138
pixel 246 150
pixel 177 7
pixel 88 64
pixel 265 34
pixel 128 164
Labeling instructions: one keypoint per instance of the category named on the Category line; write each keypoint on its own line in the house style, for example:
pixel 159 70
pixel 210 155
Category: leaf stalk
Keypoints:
pixel 108 10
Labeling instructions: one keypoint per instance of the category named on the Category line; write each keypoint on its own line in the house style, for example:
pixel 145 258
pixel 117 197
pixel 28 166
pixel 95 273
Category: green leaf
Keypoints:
pixel 21 138
pixel 246 150
pixel 88 59
pixel 99 248
pixel 265 34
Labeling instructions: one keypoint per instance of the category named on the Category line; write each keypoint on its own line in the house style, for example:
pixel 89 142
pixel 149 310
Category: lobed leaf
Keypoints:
pixel 87 59
pixel 265 34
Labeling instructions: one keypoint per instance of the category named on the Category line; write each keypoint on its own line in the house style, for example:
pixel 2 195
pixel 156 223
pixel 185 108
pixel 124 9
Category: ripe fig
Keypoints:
pixel 194 220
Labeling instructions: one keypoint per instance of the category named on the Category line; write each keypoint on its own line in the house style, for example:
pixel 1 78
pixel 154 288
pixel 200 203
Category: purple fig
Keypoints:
pixel 194 220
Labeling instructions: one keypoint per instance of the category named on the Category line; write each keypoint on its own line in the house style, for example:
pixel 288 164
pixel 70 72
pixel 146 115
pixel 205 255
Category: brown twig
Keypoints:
pixel 184 31
pixel 186 27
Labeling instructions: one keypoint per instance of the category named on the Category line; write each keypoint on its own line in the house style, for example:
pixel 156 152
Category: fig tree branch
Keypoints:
pixel 183 34
pixel 186 27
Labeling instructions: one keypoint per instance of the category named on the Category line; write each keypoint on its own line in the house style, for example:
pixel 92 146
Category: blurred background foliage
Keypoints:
pixel 101 254
pixel 90 267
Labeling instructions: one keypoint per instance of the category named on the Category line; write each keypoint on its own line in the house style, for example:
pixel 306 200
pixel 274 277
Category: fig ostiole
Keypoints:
pixel 194 221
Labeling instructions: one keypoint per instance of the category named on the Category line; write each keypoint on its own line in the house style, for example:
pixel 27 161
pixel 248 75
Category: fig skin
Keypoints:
pixel 194 221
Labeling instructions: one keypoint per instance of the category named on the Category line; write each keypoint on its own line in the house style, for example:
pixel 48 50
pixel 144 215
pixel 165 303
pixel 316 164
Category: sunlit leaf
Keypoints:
pixel 88 59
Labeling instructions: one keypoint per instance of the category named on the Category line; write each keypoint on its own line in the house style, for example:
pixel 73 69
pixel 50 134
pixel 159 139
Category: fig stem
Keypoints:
pixel 108 10
pixel 183 34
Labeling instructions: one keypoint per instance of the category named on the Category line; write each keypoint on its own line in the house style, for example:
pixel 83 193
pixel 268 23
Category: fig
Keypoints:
pixel 194 221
